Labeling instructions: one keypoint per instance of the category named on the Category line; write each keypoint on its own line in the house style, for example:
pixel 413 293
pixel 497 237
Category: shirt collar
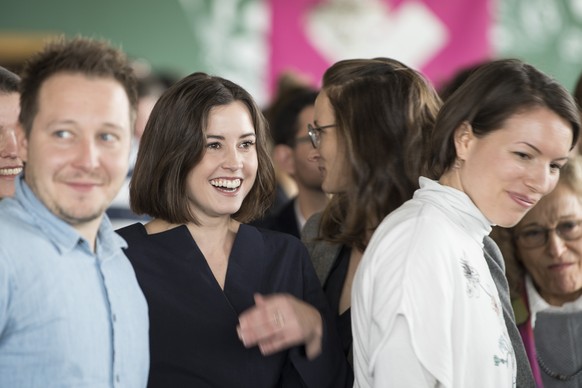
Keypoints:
pixel 538 304
pixel 456 205
pixel 60 233
pixel 300 219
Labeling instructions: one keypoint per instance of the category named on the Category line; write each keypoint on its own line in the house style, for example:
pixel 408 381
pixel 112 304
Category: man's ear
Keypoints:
pixel 464 139
pixel 22 142
pixel 284 159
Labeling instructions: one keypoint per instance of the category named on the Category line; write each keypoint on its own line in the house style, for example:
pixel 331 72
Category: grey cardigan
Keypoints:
pixel 323 254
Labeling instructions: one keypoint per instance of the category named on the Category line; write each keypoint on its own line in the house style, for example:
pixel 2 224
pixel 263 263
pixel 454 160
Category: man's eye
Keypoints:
pixel 108 137
pixel 62 134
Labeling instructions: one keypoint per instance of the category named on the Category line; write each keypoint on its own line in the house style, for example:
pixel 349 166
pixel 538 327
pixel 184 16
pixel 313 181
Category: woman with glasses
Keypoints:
pixel 426 311
pixel 369 119
pixel 543 253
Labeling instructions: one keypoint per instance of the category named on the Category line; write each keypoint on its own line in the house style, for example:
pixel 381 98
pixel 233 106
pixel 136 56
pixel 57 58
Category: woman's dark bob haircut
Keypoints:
pixel 492 94
pixel 174 142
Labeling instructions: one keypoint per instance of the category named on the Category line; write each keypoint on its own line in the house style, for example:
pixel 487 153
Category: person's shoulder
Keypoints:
pixel 410 234
pixel 269 234
pixel 136 238
pixel 275 240
pixel 14 220
pixel 412 216
pixel 132 231
pixel 281 252
pixel 21 238
pixel 283 220
pixel 427 217
pixel 268 222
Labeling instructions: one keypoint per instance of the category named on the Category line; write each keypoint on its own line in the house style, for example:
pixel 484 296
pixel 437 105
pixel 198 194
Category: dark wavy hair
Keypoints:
pixel 493 93
pixel 283 116
pixel 382 110
pixel 174 142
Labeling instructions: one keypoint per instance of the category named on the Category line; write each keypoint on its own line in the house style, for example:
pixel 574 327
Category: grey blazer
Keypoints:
pixel 322 253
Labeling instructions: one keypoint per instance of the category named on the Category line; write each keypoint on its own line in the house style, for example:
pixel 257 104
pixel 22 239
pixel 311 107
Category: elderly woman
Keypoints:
pixel 544 267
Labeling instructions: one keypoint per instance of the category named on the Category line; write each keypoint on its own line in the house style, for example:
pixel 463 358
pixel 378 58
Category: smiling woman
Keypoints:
pixel 230 305
pixel 229 164
pixel 426 309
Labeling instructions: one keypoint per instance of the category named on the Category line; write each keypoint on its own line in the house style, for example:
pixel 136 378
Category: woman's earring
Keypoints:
pixel 458 163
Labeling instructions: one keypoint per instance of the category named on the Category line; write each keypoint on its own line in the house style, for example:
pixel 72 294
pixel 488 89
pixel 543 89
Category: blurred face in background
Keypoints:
pixel 549 245
pixel 331 160
pixel 145 105
pixel 306 169
pixel 10 164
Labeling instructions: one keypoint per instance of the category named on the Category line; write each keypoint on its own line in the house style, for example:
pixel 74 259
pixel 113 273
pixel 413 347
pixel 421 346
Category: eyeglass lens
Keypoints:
pixel 313 135
pixel 537 236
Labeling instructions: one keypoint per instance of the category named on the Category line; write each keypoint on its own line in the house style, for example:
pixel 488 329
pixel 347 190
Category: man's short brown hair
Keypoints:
pixel 88 57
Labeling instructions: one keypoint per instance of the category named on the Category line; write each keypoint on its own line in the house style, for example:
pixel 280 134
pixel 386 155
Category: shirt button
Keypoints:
pixel 117 378
pixel 114 318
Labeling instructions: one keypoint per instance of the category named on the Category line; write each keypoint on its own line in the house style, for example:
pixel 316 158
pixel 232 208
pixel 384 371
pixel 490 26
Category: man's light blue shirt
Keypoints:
pixel 68 317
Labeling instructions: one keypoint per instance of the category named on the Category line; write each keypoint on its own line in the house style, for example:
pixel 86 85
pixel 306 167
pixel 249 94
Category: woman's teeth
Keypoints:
pixel 226 183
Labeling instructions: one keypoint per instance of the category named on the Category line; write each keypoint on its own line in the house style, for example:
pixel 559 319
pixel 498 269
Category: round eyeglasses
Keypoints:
pixel 314 133
pixel 537 236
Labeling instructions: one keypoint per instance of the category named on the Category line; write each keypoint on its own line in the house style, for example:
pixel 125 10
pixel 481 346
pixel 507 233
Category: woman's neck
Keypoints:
pixel 217 232
pixel 452 179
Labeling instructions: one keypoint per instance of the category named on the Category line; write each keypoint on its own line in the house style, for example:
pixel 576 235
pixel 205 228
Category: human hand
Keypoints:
pixel 280 321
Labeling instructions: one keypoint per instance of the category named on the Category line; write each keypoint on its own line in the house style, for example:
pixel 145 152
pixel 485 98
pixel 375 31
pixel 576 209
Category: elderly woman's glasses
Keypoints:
pixel 314 133
pixel 537 236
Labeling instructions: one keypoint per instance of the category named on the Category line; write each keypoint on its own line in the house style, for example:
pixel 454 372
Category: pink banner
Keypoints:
pixel 434 36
